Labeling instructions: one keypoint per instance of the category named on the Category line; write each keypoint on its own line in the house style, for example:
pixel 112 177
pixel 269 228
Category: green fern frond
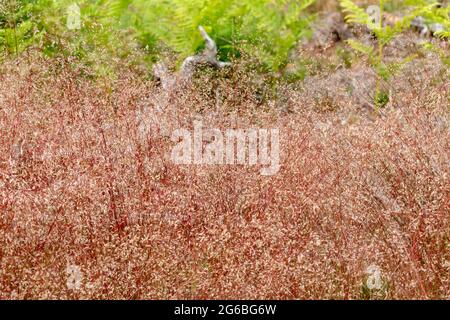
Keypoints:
pixel 116 8
pixel 360 47
pixel 443 34
pixel 354 13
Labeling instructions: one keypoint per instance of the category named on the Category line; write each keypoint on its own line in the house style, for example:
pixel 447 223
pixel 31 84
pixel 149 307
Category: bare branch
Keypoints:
pixel 207 57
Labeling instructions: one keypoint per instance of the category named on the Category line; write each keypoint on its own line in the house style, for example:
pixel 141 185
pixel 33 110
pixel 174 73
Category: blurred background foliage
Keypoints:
pixel 144 30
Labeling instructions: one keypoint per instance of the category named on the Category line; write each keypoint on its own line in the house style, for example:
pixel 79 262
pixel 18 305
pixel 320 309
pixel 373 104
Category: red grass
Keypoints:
pixel 82 184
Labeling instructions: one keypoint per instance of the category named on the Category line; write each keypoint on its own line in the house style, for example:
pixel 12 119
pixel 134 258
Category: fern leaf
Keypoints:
pixel 361 48
pixel 354 14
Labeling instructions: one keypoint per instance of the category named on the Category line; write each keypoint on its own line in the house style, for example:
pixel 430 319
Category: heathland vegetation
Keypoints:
pixel 92 205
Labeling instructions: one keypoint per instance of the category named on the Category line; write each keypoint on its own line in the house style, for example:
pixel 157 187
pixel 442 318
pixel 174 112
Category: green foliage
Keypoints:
pixel 98 43
pixel 441 16
pixel 433 13
pixel 19 27
pixel 41 25
pixel 273 28
pixel 443 54
pixel 345 56
pixel 384 35
pixel 381 99
pixel 268 29
pixel 140 30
